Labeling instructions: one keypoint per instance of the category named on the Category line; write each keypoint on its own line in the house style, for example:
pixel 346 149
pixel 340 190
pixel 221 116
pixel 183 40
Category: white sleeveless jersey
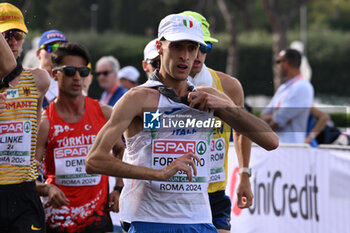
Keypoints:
pixel 176 200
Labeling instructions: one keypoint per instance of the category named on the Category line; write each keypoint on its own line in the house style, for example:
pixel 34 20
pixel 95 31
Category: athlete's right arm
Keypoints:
pixel 7 60
pixel 56 196
pixel 127 113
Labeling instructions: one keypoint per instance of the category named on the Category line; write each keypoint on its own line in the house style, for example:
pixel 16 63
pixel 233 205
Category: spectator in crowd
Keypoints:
pixel 201 75
pixel 151 59
pixel 128 77
pixel 21 208
pixel 48 43
pixel 316 123
pixel 77 202
pixel 305 68
pixel 107 69
pixel 289 109
pixel 145 203
pixel 322 130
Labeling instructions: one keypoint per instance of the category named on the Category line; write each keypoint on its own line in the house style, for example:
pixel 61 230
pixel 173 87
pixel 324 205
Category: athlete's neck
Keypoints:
pixel 71 109
pixel 180 86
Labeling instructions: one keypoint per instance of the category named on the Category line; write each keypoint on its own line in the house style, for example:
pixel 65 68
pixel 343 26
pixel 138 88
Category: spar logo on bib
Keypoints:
pixel 219 145
pixel 179 147
pixel 12 127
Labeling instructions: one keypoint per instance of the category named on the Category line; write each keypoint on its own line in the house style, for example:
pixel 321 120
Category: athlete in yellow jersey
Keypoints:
pixel 20 206
pixel 203 76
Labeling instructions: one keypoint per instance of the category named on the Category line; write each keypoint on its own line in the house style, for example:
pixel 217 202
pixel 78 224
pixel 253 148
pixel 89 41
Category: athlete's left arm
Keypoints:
pixel 233 89
pixel 257 130
pixel 42 82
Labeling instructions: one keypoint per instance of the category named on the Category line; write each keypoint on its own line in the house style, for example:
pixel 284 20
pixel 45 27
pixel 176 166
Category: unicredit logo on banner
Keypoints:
pixel 275 196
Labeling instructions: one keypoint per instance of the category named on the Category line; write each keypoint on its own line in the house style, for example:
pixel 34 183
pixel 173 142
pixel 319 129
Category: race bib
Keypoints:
pixel 15 142
pixel 70 166
pixel 164 152
pixel 217 160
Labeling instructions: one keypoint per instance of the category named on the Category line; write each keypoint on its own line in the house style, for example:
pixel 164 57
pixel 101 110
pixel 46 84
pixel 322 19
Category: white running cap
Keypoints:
pixel 177 27
pixel 150 51
pixel 129 73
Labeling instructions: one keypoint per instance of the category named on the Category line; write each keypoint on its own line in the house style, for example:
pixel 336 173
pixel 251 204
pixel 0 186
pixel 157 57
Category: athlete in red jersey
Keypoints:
pixel 77 201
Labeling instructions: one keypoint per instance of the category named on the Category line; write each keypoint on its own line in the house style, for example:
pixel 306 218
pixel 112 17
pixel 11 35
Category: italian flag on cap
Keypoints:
pixel 188 23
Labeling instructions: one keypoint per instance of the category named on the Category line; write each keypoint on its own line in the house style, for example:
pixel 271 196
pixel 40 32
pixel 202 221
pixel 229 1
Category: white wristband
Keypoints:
pixel 245 170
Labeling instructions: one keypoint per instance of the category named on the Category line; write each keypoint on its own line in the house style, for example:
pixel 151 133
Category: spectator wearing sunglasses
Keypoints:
pixel 107 69
pixel 288 111
pixel 201 75
pixel 25 89
pixel 128 77
pixel 77 202
pixel 48 43
pixel 151 60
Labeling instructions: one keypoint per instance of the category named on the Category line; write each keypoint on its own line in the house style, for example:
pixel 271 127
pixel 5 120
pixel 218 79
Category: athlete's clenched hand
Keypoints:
pixel 184 163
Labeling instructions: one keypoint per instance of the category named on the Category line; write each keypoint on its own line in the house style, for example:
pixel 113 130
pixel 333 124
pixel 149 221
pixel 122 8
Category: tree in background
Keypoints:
pixel 229 11
pixel 232 53
pixel 281 14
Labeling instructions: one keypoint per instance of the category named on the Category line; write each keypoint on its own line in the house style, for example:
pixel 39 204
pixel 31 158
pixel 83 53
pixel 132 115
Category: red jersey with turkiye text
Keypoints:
pixel 68 145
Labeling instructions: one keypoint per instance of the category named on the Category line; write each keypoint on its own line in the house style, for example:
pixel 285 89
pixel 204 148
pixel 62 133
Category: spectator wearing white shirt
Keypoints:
pixel 289 109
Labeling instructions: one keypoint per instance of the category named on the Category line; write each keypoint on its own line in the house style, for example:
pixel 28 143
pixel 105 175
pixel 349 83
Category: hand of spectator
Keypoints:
pixel 56 196
pixel 184 163
pixel 244 193
pixel 113 201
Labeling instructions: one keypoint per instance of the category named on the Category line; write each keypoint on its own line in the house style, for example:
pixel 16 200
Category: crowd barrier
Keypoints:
pixel 296 189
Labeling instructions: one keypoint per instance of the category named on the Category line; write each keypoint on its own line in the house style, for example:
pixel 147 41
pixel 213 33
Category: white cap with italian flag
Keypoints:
pixel 177 27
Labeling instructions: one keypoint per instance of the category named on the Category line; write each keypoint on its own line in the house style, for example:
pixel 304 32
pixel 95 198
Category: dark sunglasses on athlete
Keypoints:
pixel 71 70
pixel 155 63
pixel 104 73
pixel 50 47
pixel 17 34
pixel 207 48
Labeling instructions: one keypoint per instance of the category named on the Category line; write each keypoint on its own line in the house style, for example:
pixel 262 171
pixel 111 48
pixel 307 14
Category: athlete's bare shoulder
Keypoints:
pixel 42 79
pixel 106 110
pixel 228 79
pixel 146 95
pixel 232 87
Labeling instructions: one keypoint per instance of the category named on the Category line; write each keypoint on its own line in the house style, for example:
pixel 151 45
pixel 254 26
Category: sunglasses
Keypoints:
pixel 50 47
pixel 71 70
pixel 155 63
pixel 104 73
pixel 18 35
pixel 207 48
